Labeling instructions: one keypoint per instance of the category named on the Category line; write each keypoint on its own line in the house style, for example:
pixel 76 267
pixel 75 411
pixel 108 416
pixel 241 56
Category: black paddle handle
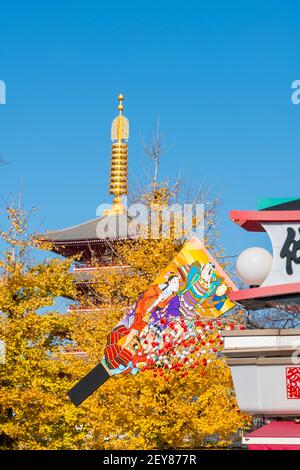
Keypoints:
pixel 88 385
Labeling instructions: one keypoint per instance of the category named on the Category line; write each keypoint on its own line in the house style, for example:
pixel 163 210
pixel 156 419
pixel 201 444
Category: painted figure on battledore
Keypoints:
pixel 126 352
pixel 159 301
pixel 128 343
pixel 201 283
pixel 219 298
pixel 166 306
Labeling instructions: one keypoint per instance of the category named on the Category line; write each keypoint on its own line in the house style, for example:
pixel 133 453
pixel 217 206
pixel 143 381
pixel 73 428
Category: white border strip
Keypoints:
pixel 271 440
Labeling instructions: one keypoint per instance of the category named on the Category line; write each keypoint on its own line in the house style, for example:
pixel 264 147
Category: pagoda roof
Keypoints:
pixel 88 238
pixel 84 231
pixel 90 230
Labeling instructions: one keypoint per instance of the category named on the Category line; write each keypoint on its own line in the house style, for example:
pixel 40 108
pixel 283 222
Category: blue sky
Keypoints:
pixel 218 73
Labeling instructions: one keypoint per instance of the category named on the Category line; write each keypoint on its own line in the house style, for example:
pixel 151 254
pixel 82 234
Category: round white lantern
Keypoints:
pixel 253 265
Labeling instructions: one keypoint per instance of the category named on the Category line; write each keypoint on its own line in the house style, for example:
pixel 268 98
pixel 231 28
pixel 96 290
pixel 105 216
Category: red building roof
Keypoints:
pixel 252 220
pixel 278 435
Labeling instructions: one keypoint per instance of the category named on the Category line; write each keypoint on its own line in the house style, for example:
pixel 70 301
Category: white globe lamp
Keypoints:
pixel 253 265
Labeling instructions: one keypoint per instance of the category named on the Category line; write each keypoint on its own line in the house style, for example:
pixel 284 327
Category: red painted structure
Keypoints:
pixel 281 295
pixel 252 220
pixel 278 435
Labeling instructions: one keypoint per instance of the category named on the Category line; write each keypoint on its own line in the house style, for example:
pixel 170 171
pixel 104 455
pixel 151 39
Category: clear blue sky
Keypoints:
pixel 218 73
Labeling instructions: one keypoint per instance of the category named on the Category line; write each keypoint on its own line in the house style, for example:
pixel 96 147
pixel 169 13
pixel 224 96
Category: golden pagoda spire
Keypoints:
pixel 119 160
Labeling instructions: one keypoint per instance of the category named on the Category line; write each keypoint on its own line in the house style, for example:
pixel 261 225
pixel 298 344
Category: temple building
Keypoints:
pixel 94 242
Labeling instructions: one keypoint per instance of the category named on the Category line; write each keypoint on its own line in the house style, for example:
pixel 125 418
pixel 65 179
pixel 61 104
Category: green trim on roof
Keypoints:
pixel 275 201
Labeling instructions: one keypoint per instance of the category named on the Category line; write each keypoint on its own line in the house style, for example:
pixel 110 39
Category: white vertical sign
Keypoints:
pixel 285 238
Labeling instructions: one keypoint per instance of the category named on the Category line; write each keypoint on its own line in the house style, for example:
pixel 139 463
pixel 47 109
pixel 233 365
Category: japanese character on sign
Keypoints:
pixel 290 250
pixel 293 382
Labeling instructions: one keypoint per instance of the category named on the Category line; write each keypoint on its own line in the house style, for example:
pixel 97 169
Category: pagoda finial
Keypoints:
pixel 119 159
pixel 120 107
pixel 120 125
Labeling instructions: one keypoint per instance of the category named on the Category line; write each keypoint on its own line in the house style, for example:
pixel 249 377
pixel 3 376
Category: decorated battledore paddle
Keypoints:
pixel 163 326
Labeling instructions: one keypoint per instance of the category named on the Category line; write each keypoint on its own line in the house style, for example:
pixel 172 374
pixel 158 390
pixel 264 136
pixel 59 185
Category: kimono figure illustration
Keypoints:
pixel 160 301
pixel 217 300
pixel 130 341
pixel 201 283
pixel 126 352
pixel 163 316
pixel 166 307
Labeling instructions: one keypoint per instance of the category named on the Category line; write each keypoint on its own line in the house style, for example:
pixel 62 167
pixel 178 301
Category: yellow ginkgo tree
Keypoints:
pixel 153 410
pixel 34 411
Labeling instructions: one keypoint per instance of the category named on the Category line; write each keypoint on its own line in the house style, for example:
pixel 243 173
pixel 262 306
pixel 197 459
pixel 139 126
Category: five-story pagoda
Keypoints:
pixel 93 242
